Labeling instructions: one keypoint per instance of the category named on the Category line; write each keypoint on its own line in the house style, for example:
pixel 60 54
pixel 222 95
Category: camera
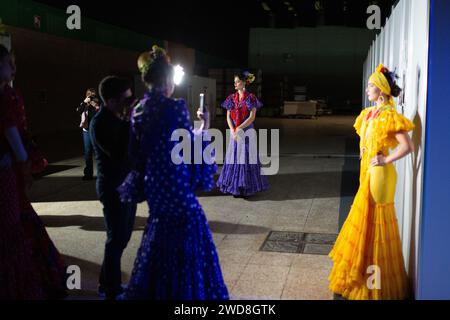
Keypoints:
pixel 94 98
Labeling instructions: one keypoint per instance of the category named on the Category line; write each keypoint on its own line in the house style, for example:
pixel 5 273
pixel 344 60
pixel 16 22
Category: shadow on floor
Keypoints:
pixel 282 187
pixel 65 189
pixel 89 223
pixel 86 223
pixel 231 228
pixel 54 168
pixel 89 279
pixel 90 272
pixel 310 185
pixel 60 189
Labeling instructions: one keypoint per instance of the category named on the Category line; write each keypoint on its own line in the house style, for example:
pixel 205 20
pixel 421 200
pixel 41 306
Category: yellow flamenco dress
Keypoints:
pixel 370 236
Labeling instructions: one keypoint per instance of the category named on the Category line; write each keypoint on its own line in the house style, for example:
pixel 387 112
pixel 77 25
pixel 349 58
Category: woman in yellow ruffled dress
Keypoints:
pixel 367 256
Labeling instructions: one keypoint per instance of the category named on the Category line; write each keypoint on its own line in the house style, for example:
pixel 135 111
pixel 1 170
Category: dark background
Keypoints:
pixel 222 27
pixel 56 65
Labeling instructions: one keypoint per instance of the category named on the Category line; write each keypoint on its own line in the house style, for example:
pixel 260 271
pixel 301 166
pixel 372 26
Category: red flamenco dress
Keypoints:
pixel 17 277
pixel 241 174
pixel 47 261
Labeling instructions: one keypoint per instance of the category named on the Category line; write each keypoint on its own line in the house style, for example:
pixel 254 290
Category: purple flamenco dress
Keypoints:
pixel 177 259
pixel 241 172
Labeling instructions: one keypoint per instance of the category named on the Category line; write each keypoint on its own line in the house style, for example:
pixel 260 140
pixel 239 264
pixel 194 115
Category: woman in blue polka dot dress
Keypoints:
pixel 177 259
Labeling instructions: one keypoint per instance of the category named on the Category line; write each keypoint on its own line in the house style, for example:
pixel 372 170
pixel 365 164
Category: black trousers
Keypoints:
pixel 88 155
pixel 119 222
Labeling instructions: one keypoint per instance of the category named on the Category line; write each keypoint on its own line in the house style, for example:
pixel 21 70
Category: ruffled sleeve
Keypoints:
pixel 132 189
pixel 359 121
pixel 253 102
pixel 228 104
pixel 389 124
pixel 395 122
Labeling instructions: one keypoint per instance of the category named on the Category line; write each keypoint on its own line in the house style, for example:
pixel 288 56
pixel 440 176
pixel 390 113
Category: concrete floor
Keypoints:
pixel 307 195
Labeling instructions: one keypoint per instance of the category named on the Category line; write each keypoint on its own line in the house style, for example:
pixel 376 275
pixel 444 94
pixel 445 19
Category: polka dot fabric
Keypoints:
pixel 177 259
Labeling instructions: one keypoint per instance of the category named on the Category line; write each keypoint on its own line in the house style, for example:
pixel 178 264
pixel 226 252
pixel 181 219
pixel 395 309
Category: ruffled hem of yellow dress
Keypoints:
pixel 369 237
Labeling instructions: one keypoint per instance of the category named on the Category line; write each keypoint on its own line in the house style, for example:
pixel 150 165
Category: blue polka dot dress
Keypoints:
pixel 177 259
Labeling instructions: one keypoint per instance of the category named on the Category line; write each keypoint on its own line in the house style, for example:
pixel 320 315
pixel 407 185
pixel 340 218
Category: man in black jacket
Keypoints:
pixel 110 134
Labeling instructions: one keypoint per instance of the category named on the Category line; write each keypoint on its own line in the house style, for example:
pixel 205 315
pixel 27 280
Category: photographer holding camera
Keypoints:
pixel 87 110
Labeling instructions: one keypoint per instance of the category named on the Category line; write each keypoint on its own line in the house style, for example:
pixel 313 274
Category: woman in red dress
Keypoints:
pixel 241 173
pixel 46 263
pixel 17 279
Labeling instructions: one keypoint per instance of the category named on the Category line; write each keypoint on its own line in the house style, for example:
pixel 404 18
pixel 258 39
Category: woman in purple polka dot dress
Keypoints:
pixel 177 259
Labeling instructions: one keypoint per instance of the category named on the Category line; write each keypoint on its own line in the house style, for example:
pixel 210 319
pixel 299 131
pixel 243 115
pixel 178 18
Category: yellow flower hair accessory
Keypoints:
pixel 249 77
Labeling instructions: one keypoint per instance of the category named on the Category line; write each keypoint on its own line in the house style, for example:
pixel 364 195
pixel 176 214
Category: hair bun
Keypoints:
pixel 148 58
pixel 144 61
pixel 395 91
pixel 158 53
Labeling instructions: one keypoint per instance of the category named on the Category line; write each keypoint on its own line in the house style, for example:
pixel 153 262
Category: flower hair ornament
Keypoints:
pixel 146 59
pixel 382 69
pixel 394 75
pixel 249 77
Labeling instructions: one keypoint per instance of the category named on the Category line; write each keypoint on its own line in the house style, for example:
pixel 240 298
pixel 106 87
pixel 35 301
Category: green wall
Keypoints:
pixel 20 13
pixel 328 60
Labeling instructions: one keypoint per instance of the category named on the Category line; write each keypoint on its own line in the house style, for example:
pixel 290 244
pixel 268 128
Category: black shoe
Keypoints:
pixel 87 178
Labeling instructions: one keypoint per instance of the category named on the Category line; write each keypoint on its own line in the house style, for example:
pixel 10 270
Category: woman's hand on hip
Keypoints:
pixel 378 161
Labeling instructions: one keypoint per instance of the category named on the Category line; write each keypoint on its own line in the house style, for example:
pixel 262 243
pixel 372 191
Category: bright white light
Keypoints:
pixel 178 75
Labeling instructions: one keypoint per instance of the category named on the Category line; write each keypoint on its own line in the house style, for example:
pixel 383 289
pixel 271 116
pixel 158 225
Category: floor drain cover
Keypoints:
pixel 299 242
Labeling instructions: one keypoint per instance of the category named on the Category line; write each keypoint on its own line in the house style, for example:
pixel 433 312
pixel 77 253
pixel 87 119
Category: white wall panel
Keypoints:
pixel 403 44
